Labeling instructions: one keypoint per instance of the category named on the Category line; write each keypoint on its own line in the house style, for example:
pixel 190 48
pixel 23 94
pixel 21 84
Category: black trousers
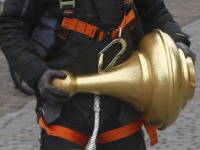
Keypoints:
pixel 72 118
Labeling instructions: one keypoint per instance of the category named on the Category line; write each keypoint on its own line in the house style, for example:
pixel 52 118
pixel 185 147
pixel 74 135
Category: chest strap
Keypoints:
pixel 109 136
pixel 94 32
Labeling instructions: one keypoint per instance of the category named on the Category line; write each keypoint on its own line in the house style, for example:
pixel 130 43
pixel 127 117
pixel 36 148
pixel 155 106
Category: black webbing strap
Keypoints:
pixel 67 6
pixel 57 45
pixel 128 5
pixel 140 30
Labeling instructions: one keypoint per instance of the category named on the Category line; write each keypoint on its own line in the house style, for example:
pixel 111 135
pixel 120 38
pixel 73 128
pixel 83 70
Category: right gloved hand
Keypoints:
pixel 186 50
pixel 50 92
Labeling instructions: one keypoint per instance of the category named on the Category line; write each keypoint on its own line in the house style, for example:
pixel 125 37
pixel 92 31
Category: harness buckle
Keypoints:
pixel 40 113
pixel 67 3
pixel 107 34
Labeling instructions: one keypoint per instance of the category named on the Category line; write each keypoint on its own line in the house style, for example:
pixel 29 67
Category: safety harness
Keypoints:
pixel 71 24
pixel 105 137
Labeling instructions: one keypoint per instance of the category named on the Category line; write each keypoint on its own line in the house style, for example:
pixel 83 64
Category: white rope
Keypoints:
pixel 96 122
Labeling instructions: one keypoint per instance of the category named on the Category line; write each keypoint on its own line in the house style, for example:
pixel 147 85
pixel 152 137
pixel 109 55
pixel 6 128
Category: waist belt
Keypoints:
pixel 109 136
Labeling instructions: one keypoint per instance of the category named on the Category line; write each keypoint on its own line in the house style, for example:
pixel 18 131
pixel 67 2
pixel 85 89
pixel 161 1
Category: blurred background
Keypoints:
pixel 18 127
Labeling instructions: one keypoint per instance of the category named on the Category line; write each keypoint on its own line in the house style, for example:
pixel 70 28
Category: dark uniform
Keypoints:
pixel 29 27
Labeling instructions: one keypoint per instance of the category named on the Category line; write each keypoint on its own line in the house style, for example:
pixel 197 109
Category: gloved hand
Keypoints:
pixel 186 50
pixel 50 92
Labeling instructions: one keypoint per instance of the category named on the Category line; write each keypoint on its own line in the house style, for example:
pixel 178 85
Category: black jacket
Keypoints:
pixel 29 27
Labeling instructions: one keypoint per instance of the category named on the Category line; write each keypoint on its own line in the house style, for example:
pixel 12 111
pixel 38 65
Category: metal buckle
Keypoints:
pixel 67 3
pixel 96 36
pixel 106 35
pixel 40 112
pixel 109 33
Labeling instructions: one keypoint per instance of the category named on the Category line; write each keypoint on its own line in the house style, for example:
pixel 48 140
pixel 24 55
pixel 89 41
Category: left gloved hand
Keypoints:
pixel 50 92
pixel 186 50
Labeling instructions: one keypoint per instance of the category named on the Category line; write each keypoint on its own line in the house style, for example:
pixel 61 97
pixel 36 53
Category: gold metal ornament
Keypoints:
pixel 157 80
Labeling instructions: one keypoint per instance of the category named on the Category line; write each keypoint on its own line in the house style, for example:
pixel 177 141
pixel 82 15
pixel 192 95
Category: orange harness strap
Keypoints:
pixel 65 133
pixel 152 133
pixel 90 30
pixel 128 130
pixel 109 136
pixel 120 133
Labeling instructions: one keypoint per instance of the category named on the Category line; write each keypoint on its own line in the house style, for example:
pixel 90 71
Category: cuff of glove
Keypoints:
pixel 186 42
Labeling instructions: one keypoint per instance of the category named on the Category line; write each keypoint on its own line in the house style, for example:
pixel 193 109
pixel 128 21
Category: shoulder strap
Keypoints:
pixel 67 6
pixel 128 5
pixel 133 28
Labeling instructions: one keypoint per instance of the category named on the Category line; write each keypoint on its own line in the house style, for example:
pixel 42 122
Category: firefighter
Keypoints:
pixel 37 48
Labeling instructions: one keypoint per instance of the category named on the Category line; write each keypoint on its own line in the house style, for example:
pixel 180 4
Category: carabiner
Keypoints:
pixel 112 63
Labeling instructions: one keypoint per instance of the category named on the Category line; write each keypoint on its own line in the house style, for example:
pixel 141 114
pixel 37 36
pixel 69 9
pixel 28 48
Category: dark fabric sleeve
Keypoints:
pixel 17 23
pixel 154 15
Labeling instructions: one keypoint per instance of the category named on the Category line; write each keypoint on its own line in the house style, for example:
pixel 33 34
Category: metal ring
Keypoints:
pixel 120 32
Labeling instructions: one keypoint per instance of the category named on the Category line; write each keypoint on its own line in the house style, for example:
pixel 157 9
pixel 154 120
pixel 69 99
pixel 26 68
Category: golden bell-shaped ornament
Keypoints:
pixel 157 80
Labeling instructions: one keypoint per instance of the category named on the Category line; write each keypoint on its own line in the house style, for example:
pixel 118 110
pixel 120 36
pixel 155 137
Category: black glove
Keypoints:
pixel 186 50
pixel 50 92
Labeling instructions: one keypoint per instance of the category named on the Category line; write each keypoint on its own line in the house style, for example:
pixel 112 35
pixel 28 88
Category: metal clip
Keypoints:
pixel 67 3
pixel 120 32
pixel 112 63
pixel 40 112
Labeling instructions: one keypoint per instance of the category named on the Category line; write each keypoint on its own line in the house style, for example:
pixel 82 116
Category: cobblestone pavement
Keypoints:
pixel 184 11
pixel 11 99
pixel 18 128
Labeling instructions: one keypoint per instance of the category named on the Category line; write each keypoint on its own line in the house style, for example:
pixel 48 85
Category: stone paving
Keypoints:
pixel 184 11
pixel 11 99
pixel 18 128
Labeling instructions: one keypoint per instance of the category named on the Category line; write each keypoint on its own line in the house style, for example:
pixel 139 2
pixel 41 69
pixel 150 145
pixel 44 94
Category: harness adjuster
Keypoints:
pixel 40 113
pixel 102 34
pixel 67 3
pixel 109 34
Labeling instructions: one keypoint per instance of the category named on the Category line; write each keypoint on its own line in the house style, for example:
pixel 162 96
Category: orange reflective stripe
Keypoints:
pixel 65 133
pixel 120 133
